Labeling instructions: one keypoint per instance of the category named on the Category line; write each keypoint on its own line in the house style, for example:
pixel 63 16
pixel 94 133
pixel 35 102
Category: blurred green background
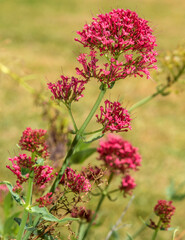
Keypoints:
pixel 37 37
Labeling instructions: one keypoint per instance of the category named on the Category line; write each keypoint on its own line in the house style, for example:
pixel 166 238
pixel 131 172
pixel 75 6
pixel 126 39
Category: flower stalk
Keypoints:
pixel 104 194
pixel 27 203
pixel 76 140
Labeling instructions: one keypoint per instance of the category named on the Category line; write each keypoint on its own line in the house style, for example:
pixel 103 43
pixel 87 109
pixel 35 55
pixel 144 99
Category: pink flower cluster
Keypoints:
pixel 110 72
pixel 42 174
pixel 122 32
pixel 82 213
pixel 67 90
pixel 76 182
pixel 164 210
pixel 45 200
pixel 119 156
pixel 114 118
pixel 33 140
pixel 127 184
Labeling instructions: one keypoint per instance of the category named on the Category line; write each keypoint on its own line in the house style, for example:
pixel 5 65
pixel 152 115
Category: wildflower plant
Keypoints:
pixel 126 46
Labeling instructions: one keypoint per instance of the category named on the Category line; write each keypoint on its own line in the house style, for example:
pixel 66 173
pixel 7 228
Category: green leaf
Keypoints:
pixel 81 156
pixel 129 237
pixel 115 235
pixel 17 220
pixel 15 196
pixel 10 226
pixel 8 204
pixel 46 215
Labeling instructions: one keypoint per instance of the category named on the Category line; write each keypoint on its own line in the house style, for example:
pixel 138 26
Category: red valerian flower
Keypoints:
pixel 114 118
pixel 118 155
pixel 127 185
pixel 122 32
pixel 45 200
pixel 34 140
pixel 164 210
pixel 67 90
pixel 76 182
pixel 42 174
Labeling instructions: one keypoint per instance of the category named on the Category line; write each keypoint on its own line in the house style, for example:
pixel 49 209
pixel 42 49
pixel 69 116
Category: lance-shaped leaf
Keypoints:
pixel 46 215
pixel 15 196
pixel 81 156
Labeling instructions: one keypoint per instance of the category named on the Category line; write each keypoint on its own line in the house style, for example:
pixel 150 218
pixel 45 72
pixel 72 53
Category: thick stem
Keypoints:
pixel 104 194
pixel 156 230
pixel 28 201
pixel 72 118
pixel 76 140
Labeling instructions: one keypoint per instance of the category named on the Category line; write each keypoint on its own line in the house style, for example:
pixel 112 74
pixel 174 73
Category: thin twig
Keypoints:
pixel 119 221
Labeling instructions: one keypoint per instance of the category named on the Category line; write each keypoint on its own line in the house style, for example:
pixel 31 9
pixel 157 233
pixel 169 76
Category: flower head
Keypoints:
pixel 33 140
pixel 114 118
pixel 127 184
pixel 118 155
pixel 67 90
pixel 42 174
pixel 76 182
pixel 122 32
pixel 164 210
pixel 45 200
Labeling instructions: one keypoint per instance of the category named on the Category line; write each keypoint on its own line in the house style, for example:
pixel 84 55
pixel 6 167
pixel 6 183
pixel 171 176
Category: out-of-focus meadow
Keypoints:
pixel 37 37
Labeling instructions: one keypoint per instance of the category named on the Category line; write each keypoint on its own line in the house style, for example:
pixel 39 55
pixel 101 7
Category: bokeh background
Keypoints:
pixel 37 37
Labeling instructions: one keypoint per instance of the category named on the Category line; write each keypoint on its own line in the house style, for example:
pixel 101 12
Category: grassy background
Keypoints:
pixel 36 37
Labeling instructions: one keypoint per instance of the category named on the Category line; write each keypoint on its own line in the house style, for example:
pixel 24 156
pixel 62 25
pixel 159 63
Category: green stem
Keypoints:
pixel 89 133
pixel 156 230
pixel 76 140
pixel 72 118
pixel 159 91
pixel 113 191
pixel 27 204
pixel 26 236
pixel 92 112
pixel 104 194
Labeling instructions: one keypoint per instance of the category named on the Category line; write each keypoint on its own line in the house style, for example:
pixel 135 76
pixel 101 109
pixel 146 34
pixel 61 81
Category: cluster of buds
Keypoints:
pixel 34 140
pixel 45 200
pixel 164 210
pixel 75 182
pixel 67 90
pixel 119 156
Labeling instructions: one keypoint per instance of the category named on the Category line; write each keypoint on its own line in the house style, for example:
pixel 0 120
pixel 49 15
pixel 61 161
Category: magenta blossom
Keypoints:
pixel 122 32
pixel 165 210
pixel 34 140
pixel 114 118
pixel 127 185
pixel 45 200
pixel 42 174
pixel 67 90
pixel 118 155
pixel 109 72
pixel 76 182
